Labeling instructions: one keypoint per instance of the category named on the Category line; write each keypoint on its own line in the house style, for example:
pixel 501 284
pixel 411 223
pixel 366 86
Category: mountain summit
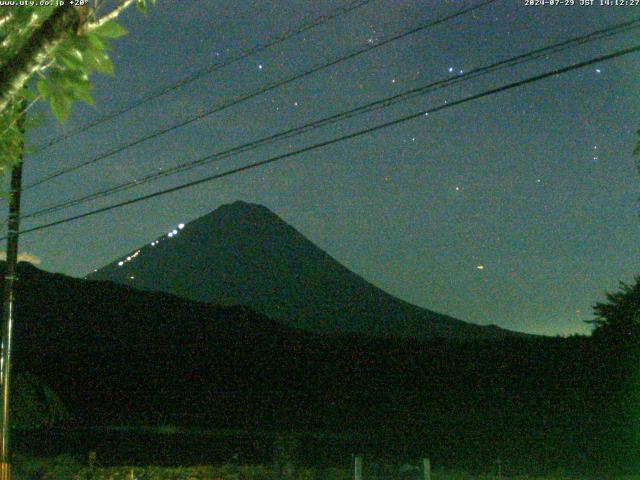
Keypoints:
pixel 243 253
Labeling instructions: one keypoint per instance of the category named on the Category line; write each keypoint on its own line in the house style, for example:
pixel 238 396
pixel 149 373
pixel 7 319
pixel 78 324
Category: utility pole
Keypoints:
pixel 10 277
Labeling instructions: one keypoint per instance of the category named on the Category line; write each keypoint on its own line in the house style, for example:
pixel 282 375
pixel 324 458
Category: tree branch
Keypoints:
pixel 5 16
pixel 15 73
pixel 112 15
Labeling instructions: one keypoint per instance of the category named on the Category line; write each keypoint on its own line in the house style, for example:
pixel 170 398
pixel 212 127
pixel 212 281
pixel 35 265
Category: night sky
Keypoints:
pixel 519 209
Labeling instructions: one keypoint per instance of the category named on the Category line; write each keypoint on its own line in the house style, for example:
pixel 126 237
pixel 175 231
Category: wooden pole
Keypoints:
pixel 426 468
pixel 357 468
pixel 10 277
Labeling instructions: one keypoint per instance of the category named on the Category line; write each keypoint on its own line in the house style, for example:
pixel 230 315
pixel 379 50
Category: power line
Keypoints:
pixel 359 133
pixel 369 107
pixel 203 72
pixel 256 93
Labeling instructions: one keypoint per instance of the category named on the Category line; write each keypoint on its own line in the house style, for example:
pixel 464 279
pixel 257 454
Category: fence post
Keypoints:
pixel 426 468
pixel 357 468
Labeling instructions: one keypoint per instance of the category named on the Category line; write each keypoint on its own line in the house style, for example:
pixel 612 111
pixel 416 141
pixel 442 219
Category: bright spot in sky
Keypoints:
pixel 132 278
pixel 260 66
pixel 181 226
pixel 461 72
pixel 457 189
pixel 450 69
pixel 598 70
pixel 480 267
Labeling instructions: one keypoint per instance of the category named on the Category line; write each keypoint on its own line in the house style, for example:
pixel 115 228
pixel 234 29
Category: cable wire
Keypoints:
pixel 254 94
pixel 369 107
pixel 203 72
pixel 359 133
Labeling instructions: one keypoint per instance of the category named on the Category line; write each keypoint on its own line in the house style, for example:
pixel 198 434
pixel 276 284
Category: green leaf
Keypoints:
pixel 29 95
pixel 110 30
pixel 99 60
pixel 43 88
pixel 83 92
pixel 61 105
pixel 73 84
pixel 96 42
pixel 71 59
pixel 142 5
pixel 103 63
pixel 107 67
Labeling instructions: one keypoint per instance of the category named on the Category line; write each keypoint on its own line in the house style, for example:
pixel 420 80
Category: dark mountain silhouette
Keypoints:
pixel 119 356
pixel 244 254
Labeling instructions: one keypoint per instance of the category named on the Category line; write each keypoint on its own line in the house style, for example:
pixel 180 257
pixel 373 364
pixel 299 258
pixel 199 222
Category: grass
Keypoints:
pixel 69 468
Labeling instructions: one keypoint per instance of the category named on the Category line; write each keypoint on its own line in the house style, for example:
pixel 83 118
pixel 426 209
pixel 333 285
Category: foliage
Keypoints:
pixel 34 404
pixel 62 61
pixel 620 315
pixel 62 467
pixel 12 138
pixel 66 467
pixel 76 58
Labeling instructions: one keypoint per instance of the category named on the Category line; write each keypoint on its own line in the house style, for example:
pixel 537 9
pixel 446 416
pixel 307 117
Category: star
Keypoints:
pixel 260 66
